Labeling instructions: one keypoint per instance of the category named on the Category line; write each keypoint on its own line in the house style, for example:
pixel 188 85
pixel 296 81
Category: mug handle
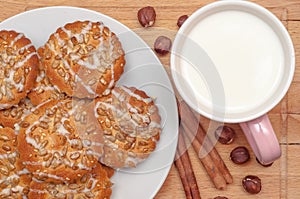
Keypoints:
pixel 261 137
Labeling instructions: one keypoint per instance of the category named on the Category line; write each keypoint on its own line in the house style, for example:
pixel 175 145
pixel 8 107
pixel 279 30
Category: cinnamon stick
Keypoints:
pixel 185 184
pixel 190 123
pixel 208 164
pixel 185 169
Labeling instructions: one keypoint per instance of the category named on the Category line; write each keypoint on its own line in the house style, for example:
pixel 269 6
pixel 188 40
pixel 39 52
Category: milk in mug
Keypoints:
pixel 247 54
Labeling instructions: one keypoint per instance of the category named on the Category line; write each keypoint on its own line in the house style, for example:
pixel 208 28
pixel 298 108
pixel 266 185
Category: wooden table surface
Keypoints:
pixel 282 179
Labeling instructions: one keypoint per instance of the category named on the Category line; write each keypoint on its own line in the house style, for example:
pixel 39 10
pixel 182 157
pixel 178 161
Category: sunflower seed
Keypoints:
pixel 6 147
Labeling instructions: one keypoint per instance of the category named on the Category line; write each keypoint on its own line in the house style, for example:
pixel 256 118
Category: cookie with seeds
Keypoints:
pixel 14 179
pixel 84 59
pixel 43 90
pixel 110 171
pixel 57 141
pixel 10 117
pixel 18 67
pixel 130 122
pixel 93 185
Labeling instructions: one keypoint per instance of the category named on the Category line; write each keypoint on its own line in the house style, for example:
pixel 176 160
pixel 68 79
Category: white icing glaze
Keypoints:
pixel 23 172
pixel 112 81
pixel 111 144
pixel 127 90
pixel 18 188
pixel 30 140
pixel 5 106
pixel 49 176
pixel 155 124
pixel 96 144
pixel 19 36
pixel 10 178
pixel 94 153
pixel 60 41
pixel 6 191
pixel 45 88
pixel 32 163
pixel 22 62
pixel 62 130
pixel 38 190
pixel 6 156
pixel 41 76
pixel 133 160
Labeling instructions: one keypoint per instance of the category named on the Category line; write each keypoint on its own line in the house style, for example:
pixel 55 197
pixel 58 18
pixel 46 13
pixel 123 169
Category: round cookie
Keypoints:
pixel 84 59
pixel 43 90
pixel 93 185
pixel 57 141
pixel 131 126
pixel 10 117
pixel 18 67
pixel 14 180
pixel 110 171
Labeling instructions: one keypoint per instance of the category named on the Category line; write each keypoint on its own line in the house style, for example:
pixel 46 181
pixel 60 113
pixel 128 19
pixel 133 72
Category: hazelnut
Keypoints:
pixel 146 16
pixel 240 155
pixel 252 184
pixel 225 134
pixel 162 45
pixel 181 20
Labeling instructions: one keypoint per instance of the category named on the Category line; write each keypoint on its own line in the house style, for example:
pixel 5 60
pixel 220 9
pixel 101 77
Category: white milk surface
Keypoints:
pixel 246 53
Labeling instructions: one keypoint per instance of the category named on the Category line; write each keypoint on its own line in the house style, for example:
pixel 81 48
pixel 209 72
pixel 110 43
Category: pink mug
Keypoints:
pixel 233 61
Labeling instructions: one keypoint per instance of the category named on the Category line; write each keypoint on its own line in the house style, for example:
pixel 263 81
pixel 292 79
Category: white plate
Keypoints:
pixel 143 70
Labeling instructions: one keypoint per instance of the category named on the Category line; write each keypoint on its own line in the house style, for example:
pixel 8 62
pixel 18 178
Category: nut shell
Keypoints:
pixel 146 16
pixel 162 45
pixel 240 155
pixel 252 184
pixel 225 134
pixel 181 20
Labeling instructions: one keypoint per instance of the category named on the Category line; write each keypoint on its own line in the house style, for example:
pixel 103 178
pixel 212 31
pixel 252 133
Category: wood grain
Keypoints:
pixel 282 179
